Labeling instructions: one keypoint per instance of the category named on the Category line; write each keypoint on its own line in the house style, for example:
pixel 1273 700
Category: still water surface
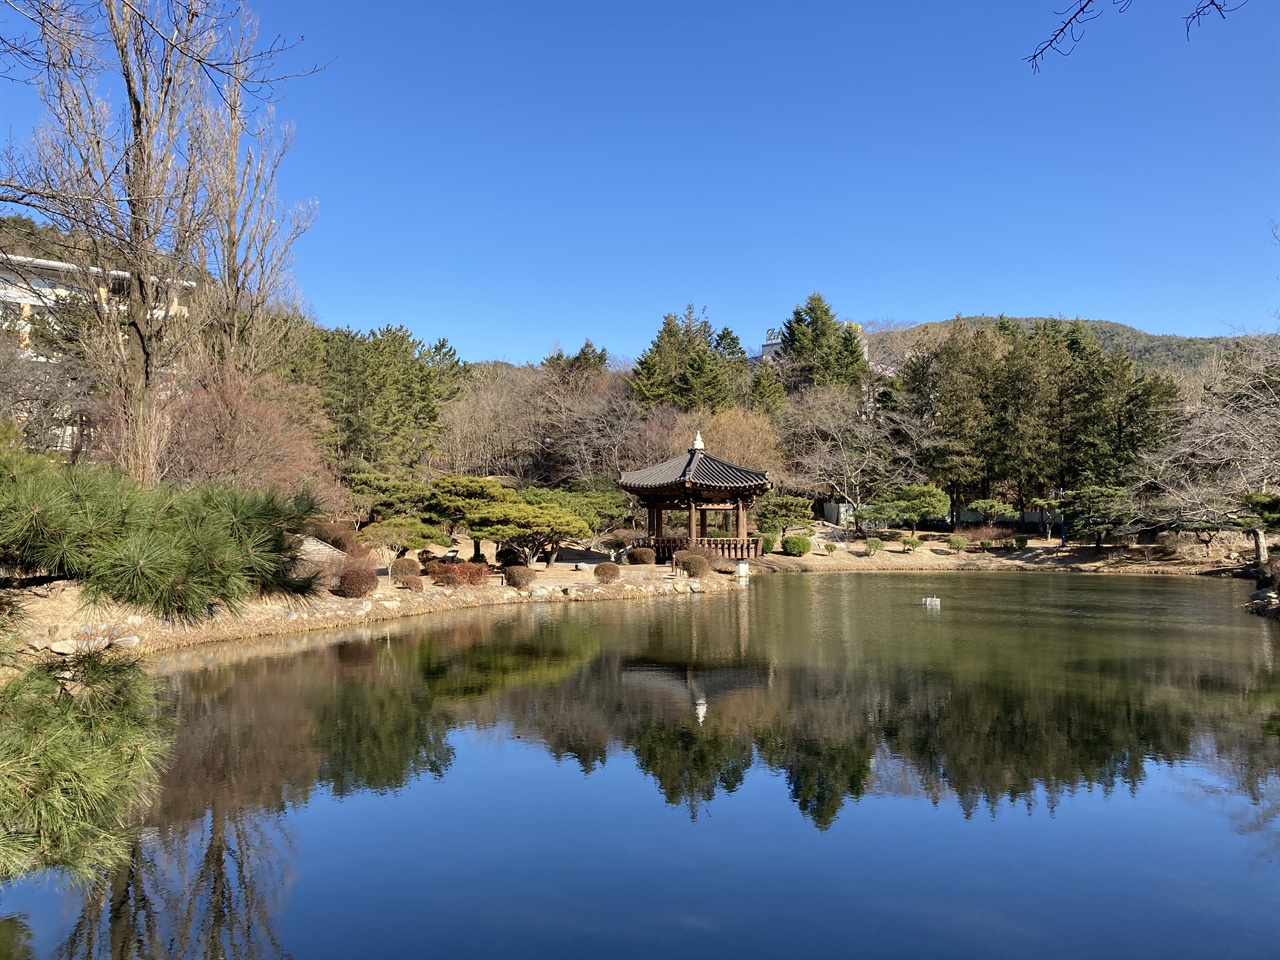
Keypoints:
pixel 817 766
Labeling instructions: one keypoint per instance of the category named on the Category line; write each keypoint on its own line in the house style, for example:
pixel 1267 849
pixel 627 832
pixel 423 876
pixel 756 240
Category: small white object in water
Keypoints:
pixel 932 602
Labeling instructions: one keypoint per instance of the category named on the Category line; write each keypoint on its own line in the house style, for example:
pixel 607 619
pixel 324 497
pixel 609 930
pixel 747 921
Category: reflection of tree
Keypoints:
pixel 208 878
pixel 820 774
pixel 379 737
pixel 986 741
pixel 15 938
pixel 689 764
pixel 208 888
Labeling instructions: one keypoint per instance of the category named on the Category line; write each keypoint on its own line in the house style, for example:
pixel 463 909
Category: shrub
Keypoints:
pixel 695 565
pixel 403 567
pixel 957 543
pixel 520 577
pixel 458 574
pixel 910 543
pixel 412 582
pixel 356 582
pixel 507 557
pixel 337 534
pixel 766 543
pixel 714 560
pixel 641 555
pixel 829 547
pixel 874 546
pixel 796 546
pixel 1021 541
pixel 986 544
pixel 1008 545
pixel 607 572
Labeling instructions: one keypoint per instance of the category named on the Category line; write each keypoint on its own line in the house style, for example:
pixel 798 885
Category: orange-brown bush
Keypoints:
pixel 458 574
pixel 412 583
pixel 641 555
pixel 356 582
pixel 608 572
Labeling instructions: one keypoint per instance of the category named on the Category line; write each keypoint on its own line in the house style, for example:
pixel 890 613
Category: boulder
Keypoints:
pixel 79 645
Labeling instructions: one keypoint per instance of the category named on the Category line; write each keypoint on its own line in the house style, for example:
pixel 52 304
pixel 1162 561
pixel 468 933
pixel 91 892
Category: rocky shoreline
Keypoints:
pixel 64 628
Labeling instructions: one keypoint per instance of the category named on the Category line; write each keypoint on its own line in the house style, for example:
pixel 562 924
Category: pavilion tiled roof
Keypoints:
pixel 697 468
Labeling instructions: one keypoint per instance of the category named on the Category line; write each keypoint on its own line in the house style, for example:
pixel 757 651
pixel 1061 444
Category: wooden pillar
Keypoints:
pixel 658 525
pixel 702 523
pixel 740 521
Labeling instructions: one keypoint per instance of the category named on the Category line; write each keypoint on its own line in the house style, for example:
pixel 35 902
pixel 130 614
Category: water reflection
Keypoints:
pixel 834 689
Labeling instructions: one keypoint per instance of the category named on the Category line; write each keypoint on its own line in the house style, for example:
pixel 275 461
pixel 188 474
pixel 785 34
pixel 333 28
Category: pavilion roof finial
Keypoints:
pixel 697 442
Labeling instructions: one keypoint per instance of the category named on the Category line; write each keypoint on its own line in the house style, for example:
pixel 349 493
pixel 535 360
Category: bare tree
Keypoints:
pixel 1082 12
pixel 845 443
pixel 248 305
pixel 155 189
pixel 492 427
pixel 1227 446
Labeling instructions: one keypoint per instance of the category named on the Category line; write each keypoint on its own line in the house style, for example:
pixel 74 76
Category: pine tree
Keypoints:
pixel 820 350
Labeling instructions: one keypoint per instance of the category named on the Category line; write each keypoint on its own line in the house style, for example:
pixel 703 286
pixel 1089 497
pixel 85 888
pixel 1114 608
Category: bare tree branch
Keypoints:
pixel 1071 31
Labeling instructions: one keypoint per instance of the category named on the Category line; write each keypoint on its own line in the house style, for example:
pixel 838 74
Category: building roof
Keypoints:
pixel 698 469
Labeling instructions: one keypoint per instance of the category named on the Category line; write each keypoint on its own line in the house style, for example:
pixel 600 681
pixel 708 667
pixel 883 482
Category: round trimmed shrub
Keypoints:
pixel 641 555
pixel 829 547
pixel 1021 540
pixel 520 577
pixel 911 543
pixel 796 546
pixel 403 567
pixel 412 583
pixel 957 543
pixel 986 544
pixel 874 546
pixel 608 572
pixel 356 582
pixel 766 543
pixel 507 557
pixel 695 565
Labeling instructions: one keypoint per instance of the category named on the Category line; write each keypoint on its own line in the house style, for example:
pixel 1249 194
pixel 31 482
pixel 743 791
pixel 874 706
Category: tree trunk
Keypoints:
pixel 1260 554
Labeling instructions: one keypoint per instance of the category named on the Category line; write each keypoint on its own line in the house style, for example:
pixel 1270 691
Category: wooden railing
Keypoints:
pixel 734 548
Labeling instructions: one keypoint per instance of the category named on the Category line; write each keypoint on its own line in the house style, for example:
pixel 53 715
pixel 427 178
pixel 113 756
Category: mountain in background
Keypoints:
pixel 1151 351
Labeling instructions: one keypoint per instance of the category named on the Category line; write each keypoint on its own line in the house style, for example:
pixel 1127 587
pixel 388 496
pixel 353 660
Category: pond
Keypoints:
pixel 1042 765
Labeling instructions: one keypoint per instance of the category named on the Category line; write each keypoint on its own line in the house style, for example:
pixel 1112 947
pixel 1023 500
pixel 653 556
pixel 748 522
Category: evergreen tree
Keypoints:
pixel 587 364
pixel 820 350
pixel 691 366
pixel 765 393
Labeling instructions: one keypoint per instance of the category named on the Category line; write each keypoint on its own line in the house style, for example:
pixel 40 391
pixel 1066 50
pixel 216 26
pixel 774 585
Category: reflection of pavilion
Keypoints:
pixel 670 692
pixel 698 483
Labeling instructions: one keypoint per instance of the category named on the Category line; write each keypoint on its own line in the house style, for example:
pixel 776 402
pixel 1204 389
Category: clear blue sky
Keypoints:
pixel 510 176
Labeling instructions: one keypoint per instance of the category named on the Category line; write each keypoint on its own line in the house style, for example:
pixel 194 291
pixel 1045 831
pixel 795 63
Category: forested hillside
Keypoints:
pixel 1149 351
